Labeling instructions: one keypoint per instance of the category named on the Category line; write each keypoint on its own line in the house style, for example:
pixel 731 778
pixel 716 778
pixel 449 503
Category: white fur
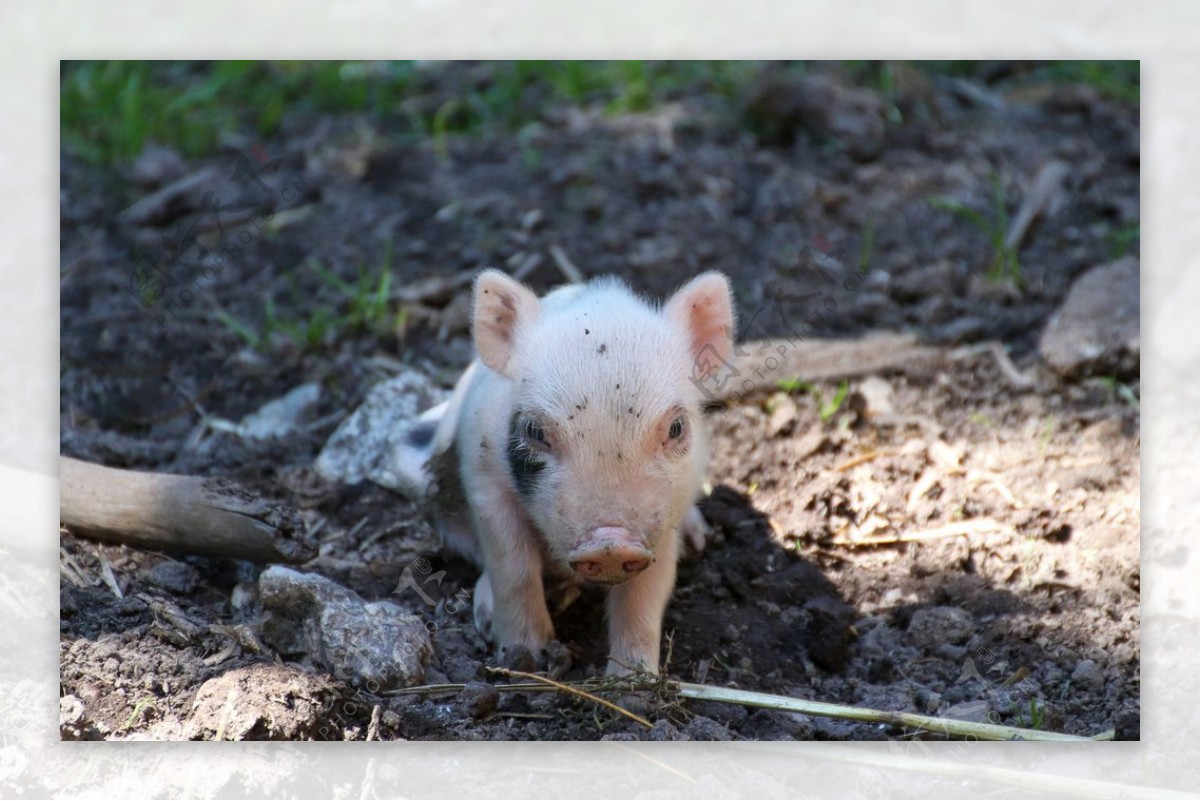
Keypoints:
pixel 607 372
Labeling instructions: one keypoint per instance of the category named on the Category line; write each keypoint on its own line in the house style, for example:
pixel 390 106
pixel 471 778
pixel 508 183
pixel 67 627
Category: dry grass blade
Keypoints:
pixel 977 526
pixel 566 688
pixel 945 726
pixel 863 458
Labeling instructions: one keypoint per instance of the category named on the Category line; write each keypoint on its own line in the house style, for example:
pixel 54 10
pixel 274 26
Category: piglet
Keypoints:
pixel 573 447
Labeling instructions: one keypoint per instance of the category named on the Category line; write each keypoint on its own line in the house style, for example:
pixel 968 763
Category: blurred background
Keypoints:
pixel 912 173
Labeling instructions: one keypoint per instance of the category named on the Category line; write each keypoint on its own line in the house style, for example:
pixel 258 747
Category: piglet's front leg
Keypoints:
pixel 635 613
pixel 516 613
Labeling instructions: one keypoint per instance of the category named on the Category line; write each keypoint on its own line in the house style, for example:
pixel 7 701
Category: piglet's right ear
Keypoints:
pixel 503 308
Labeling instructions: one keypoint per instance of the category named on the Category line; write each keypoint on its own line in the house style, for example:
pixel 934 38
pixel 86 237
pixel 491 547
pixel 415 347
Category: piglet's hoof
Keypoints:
pixel 518 657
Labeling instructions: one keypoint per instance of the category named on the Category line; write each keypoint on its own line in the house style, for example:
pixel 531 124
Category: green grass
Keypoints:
pixel 825 409
pixel 1119 390
pixel 1003 265
pixel 1123 239
pixel 362 306
pixel 1036 719
pixel 1118 80
pixel 110 109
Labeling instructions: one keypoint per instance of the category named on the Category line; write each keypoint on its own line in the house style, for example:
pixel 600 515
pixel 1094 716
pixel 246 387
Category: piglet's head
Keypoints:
pixel 605 443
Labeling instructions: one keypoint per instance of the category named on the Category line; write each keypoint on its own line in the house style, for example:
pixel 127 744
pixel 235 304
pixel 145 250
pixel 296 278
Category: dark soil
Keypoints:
pixel 1032 619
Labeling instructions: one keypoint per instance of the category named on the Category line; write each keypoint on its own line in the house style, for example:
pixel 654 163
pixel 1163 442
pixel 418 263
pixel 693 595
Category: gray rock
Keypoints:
pixel 378 645
pixel 1087 676
pixel 663 731
pixel 179 578
pixel 74 722
pixel 970 711
pixel 479 699
pixel 385 440
pixel 263 701
pixel 931 628
pixel 1097 330
pixel 283 415
pixel 702 728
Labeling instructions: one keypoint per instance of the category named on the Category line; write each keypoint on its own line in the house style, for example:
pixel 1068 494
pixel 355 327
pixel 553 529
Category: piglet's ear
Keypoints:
pixel 503 307
pixel 703 310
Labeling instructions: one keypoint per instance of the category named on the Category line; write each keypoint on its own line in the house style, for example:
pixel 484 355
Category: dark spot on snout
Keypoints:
pixel 523 463
pixel 602 348
pixel 586 332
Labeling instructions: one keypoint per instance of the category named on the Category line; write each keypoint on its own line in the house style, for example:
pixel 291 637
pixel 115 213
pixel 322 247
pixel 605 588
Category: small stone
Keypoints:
pixel 1097 330
pixel 264 701
pixel 927 701
pixel 282 416
pixel 384 440
pixel 731 633
pixel 1087 676
pixel 970 711
pixel 378 645
pixel 479 699
pixel 178 578
pixel 663 731
pixel 707 729
pixel 930 628
pixel 877 396
pixel 784 413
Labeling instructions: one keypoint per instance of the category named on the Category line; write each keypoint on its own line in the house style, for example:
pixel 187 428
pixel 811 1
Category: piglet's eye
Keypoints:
pixel 676 429
pixel 534 432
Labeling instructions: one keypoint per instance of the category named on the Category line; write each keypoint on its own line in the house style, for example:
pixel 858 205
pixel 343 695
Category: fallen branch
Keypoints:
pixel 192 514
pixel 762 363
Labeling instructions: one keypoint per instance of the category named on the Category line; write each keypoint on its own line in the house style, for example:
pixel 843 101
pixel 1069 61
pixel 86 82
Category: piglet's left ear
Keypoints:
pixel 703 310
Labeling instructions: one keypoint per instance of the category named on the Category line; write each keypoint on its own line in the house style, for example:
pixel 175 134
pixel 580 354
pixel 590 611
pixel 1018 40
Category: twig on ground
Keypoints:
pixel 978 525
pixel 946 726
pixel 566 688
pixel 863 458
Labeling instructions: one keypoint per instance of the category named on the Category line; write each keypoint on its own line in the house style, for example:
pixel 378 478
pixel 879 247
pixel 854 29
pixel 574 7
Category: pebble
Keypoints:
pixel 1088 676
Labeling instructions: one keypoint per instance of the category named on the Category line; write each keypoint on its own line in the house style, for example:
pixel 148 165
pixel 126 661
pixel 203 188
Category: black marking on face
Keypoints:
pixel 603 347
pixel 421 435
pixel 523 463
pixel 586 332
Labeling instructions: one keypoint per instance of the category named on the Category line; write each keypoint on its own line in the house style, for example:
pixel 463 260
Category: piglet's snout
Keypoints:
pixel 610 555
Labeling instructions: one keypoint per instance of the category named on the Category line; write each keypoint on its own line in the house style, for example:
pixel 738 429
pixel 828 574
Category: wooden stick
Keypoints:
pixel 192 514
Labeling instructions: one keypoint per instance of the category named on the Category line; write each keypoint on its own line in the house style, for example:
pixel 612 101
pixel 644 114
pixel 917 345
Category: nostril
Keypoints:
pixel 635 565
pixel 587 568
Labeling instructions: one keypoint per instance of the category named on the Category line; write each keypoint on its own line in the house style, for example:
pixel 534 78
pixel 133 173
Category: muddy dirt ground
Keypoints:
pixel 1030 617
